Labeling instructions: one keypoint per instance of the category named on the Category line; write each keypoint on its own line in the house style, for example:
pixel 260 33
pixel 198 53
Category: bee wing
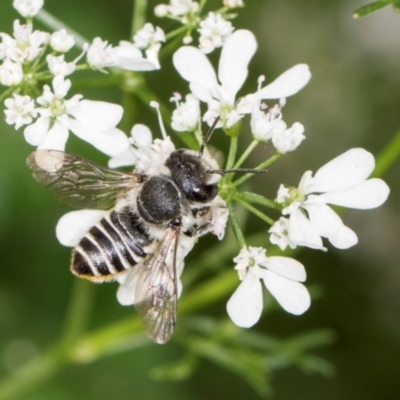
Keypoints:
pixel 156 290
pixel 79 182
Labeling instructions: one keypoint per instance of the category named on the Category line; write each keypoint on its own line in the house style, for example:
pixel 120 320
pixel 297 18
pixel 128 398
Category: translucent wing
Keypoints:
pixel 79 182
pixel 156 291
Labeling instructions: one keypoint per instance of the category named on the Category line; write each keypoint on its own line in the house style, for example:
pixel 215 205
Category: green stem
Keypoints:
pixel 247 152
pixel 6 93
pixel 79 309
pixel 254 210
pixel 232 152
pixel 55 24
pixel 263 165
pixel 235 225
pixel 176 32
pixel 257 199
pixel 139 15
pixel 388 156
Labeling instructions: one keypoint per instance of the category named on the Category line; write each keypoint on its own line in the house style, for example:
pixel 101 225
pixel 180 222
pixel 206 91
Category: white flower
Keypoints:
pixel 161 10
pixel 186 116
pixel 214 31
pixel 61 41
pixel 28 8
pixel 281 277
pixel 145 154
pixel 127 56
pixel 289 139
pixel 265 125
pixel 25 46
pixel 279 234
pixel 149 38
pixel 100 54
pixel 193 66
pixel 177 8
pixel 11 73
pixel 20 110
pixel 58 66
pixel 92 121
pixel 343 182
pixel 287 84
pixel 233 3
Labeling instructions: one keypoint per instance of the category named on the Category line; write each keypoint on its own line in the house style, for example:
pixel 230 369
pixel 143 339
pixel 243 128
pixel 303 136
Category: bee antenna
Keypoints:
pixel 208 136
pixel 242 170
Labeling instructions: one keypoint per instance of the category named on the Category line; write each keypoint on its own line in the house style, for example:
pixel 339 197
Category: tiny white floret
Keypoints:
pixel 281 277
pixel 342 182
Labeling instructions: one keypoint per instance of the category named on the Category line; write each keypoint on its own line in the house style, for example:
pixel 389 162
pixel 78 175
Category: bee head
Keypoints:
pixel 192 174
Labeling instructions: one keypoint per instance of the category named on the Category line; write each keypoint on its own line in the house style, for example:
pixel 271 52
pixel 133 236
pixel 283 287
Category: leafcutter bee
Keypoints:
pixel 151 223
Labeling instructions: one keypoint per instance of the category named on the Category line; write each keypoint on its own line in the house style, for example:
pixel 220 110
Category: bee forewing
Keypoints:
pixel 79 182
pixel 156 291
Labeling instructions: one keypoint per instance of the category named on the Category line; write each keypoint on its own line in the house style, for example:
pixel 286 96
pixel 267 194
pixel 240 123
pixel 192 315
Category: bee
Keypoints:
pixel 151 224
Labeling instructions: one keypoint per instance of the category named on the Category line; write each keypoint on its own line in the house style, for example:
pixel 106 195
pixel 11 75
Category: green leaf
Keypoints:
pixel 370 8
pixel 313 364
pixel 247 364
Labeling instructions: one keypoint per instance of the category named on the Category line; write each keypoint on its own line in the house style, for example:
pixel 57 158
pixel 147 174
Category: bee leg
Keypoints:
pixel 200 231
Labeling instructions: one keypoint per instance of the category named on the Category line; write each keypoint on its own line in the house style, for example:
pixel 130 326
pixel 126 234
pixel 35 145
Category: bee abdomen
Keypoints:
pixel 106 250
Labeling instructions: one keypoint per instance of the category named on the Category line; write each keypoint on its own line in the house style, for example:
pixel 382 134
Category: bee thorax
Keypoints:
pixel 159 200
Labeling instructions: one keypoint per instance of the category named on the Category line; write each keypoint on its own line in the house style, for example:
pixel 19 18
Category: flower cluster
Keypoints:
pixel 31 57
pixel 213 28
pixel 34 68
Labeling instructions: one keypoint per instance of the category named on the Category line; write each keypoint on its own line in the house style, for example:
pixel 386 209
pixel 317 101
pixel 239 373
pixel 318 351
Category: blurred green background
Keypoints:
pixel 353 100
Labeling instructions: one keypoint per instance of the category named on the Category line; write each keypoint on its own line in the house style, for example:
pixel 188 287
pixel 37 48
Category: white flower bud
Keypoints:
pixel 58 66
pixel 161 10
pixel 28 8
pixel 214 30
pixel 290 139
pixel 61 41
pixel 20 110
pixel 100 54
pixel 187 115
pixel 11 73
pixel 233 3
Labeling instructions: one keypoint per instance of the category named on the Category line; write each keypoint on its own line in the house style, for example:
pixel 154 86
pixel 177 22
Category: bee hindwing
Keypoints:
pixel 156 291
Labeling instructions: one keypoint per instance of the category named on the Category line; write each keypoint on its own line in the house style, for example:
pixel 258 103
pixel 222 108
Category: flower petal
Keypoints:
pixel 194 67
pixel 123 159
pixel 126 291
pixel 245 306
pixel 141 135
pixel 236 54
pixel 343 172
pixel 287 84
pixel 370 194
pixel 73 226
pixel 56 137
pixel 302 233
pixel 328 224
pixel 36 132
pixel 112 143
pixel 286 267
pixel 292 296
pixel 98 115
pixel 131 58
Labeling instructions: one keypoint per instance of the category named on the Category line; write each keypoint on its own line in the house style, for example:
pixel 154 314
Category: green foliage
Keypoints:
pixel 375 6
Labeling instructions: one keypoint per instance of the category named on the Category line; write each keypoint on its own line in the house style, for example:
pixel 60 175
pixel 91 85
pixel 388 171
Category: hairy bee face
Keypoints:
pixel 192 176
